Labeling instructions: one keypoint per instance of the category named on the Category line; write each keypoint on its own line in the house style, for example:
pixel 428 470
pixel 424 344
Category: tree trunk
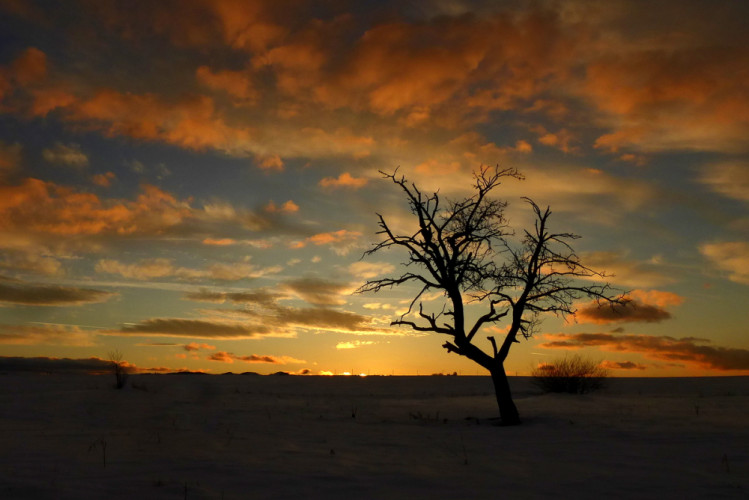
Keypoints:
pixel 508 413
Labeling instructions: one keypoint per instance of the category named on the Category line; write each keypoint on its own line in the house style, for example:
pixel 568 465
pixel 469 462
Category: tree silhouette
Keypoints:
pixel 119 368
pixel 466 250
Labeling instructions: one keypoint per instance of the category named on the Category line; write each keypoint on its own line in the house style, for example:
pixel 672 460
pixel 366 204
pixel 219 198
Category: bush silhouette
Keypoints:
pixel 574 375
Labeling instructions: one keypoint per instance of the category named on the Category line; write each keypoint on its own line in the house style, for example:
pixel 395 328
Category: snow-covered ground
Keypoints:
pixel 243 436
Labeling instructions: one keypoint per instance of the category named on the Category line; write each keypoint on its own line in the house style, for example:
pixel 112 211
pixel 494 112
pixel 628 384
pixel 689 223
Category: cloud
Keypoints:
pixel 44 334
pixel 639 306
pixel 288 207
pixel 625 272
pixel 623 365
pixel 318 292
pixel 254 220
pixel 55 365
pixel 262 308
pixel 353 345
pixel 160 268
pixel 14 291
pixel 30 66
pixel 730 256
pixel 45 207
pixel 341 241
pixel 222 356
pixel 323 318
pixel 672 98
pixel 32 260
pixel 261 297
pixel 194 346
pixel 144 270
pixel 731 179
pixel 195 328
pixel 369 270
pixel 236 84
pixel 66 154
pixel 629 75
pixel 191 122
pixel 221 242
pixel 91 366
pixel 103 180
pixel 270 162
pixel 562 139
pixel 401 66
pixel 692 350
pixel 228 357
pixel 26 70
pixel 629 312
pixel 10 158
pixel 345 180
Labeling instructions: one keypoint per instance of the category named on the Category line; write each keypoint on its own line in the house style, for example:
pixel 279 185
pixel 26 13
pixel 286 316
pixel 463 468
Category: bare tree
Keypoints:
pixel 119 368
pixel 465 249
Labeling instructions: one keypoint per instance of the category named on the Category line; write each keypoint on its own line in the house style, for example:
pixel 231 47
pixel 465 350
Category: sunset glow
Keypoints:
pixel 194 183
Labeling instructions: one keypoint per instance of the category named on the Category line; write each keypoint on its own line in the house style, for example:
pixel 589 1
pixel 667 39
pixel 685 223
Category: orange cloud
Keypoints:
pixel 45 100
pixel 288 207
pixel 342 241
pixel 194 346
pixel 235 83
pixel 353 345
pixel 32 260
pixel 333 237
pixel 639 306
pixel 10 158
pixel 229 357
pixel 103 180
pixel 623 365
pixel 271 162
pixel 29 67
pixel 684 98
pixel 219 241
pixel 345 180
pixel 35 205
pixel 688 350
pixel 191 123
pixel 562 139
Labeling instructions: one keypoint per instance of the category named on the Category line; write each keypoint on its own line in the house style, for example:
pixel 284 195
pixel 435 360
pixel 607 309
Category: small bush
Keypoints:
pixel 574 375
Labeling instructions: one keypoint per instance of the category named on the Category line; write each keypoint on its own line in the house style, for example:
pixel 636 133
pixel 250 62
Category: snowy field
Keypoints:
pixel 243 436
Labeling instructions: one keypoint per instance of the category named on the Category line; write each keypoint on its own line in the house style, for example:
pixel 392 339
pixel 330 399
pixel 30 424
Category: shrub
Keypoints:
pixel 574 375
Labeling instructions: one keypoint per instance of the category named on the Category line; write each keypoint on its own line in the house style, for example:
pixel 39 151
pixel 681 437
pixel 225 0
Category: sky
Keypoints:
pixel 193 183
